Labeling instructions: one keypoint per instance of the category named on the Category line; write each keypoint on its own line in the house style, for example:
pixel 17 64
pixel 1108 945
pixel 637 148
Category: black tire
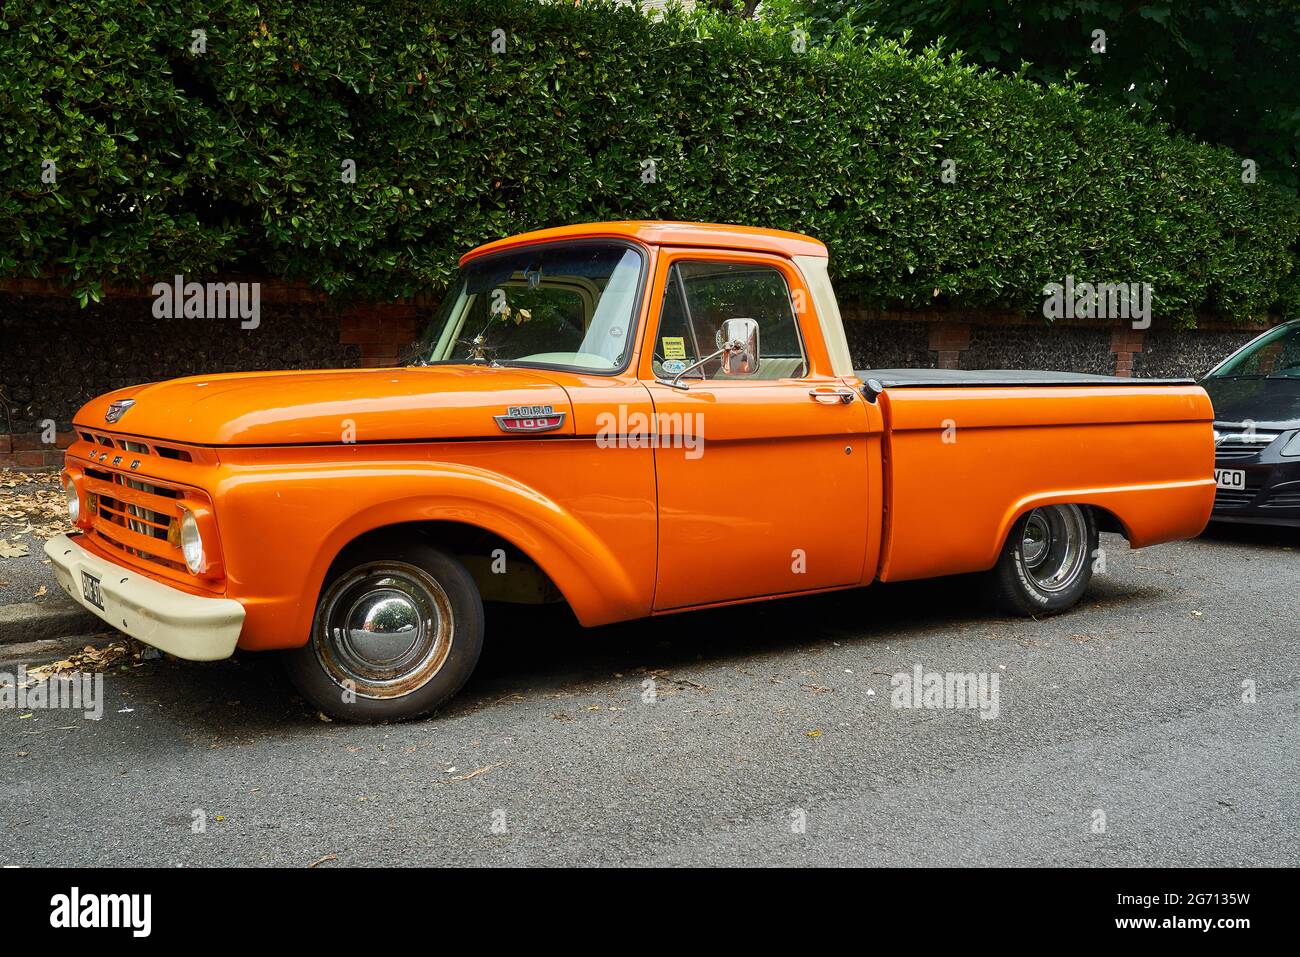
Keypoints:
pixel 1036 577
pixel 400 592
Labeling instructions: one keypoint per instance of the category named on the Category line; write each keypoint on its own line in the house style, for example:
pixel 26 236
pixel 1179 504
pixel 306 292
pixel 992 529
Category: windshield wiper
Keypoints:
pixel 467 361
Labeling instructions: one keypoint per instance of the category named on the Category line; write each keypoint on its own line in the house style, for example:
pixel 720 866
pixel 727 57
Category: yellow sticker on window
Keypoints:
pixel 674 347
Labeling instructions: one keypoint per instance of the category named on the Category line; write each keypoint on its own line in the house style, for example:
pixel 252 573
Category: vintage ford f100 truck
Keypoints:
pixel 636 418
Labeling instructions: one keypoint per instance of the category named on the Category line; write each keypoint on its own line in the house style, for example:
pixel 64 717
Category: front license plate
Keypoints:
pixel 90 588
pixel 1230 478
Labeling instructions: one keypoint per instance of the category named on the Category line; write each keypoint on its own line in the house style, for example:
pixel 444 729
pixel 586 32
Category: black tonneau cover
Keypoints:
pixel 939 378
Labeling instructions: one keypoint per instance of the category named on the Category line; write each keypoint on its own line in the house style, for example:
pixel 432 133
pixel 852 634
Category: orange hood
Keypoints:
pixel 320 407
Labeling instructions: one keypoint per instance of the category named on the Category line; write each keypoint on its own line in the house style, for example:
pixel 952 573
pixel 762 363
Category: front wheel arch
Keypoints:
pixel 585 568
pixel 478 548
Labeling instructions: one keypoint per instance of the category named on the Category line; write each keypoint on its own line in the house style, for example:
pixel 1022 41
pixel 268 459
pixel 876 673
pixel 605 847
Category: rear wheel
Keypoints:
pixel 1046 563
pixel 397 632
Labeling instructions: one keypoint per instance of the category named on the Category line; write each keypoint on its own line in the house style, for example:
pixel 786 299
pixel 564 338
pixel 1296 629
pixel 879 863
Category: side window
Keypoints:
pixel 700 296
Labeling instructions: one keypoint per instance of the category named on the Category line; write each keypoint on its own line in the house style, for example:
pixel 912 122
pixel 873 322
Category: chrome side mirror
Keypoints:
pixel 738 342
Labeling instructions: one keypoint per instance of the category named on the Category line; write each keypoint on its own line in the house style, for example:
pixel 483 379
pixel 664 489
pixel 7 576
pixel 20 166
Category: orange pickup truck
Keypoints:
pixel 636 418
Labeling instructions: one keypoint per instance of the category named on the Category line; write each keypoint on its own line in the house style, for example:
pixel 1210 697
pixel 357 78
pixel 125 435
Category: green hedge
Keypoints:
pixel 228 162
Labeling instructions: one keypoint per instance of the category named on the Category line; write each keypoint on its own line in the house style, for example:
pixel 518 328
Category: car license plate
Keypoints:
pixel 90 588
pixel 1230 478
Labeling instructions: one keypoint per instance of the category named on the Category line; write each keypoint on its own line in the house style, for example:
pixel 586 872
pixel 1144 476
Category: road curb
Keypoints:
pixel 36 621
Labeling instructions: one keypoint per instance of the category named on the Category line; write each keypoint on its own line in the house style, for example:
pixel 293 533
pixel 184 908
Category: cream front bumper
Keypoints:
pixel 184 625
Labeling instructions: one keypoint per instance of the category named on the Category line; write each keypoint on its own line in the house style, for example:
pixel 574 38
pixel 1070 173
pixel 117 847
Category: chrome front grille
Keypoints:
pixel 139 446
pixel 134 514
pixel 136 517
pixel 1233 443
pixel 143 520
pixel 1237 453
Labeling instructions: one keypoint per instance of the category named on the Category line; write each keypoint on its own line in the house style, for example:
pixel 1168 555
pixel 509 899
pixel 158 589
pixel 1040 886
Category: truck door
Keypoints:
pixel 762 478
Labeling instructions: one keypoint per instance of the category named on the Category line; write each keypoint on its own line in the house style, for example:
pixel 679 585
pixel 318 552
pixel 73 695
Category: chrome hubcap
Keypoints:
pixel 381 626
pixel 383 629
pixel 1054 546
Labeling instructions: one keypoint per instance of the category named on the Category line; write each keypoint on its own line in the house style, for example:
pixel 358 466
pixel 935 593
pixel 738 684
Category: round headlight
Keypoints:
pixel 74 500
pixel 191 543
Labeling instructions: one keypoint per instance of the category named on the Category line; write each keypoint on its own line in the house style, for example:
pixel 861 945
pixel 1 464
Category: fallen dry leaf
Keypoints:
pixel 473 774
pixel 18 550
pixel 90 660
pixel 32 503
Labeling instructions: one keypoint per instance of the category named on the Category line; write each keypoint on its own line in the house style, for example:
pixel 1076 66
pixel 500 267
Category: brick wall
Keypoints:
pixel 994 339
pixel 948 340
pixel 55 355
pixel 27 450
pixel 381 333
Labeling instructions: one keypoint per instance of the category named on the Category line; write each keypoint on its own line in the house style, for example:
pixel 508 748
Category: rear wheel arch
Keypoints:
pixel 1108 521
pixel 1105 519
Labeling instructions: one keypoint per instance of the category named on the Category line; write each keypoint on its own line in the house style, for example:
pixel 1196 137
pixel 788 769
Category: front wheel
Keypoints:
pixel 1046 563
pixel 397 632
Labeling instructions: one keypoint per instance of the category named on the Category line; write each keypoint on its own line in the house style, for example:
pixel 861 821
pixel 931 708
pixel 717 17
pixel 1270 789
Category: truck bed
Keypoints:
pixel 941 378
pixel 967 452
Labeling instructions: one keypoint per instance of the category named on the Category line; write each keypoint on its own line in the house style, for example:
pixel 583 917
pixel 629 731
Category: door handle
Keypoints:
pixel 832 395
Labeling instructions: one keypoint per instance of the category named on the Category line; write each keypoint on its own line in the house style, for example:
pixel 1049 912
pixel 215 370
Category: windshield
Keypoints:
pixel 571 305
pixel 1275 355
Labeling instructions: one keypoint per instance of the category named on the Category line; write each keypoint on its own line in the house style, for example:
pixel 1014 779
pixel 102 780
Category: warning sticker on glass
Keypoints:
pixel 674 347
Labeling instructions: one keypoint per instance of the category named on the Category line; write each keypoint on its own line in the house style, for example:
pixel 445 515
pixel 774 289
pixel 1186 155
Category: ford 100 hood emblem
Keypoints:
pixel 117 409
pixel 530 418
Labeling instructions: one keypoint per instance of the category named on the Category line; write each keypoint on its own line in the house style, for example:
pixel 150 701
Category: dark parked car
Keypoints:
pixel 1256 395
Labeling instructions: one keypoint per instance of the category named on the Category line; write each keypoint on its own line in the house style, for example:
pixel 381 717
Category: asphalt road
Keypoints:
pixel 1131 706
